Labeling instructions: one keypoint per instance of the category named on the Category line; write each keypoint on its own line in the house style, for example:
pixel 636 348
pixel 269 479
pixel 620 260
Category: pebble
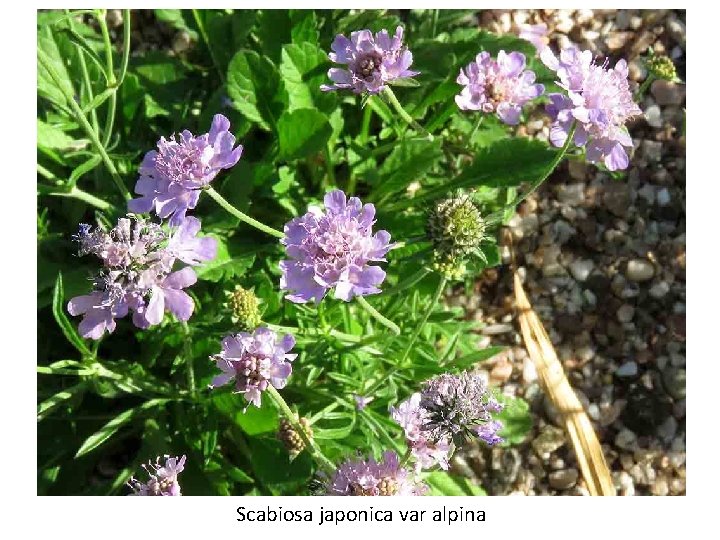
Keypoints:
pixel 639 270
pixel 563 479
pixel 628 369
pixel 496 329
pixel 529 372
pixel 663 197
pixel 651 150
pixel 668 428
pixel 654 116
pixel 581 268
pixel 626 439
pixel 625 313
pixel 549 440
pixel 667 93
pixel 659 290
pixel 674 380
pixel 660 487
pixel 578 171
pixel 625 484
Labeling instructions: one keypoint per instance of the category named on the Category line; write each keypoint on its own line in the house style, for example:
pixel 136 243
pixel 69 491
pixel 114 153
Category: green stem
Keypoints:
pixel 189 361
pixel 80 117
pixel 204 35
pixel 240 215
pixel 126 46
pixel 407 282
pixel 378 316
pixel 477 125
pixel 555 162
pixel 310 444
pixel 112 82
pixel 318 416
pixel 77 193
pixel 406 457
pixel 329 165
pixel 365 129
pixel 390 95
pixel 643 87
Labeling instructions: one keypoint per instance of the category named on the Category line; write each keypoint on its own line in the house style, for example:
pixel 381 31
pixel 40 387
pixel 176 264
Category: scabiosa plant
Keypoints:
pixel 499 86
pixel 598 103
pixel 372 61
pixel 163 478
pixel 172 176
pixel 254 361
pixel 291 439
pixel 138 273
pixel 371 478
pixel 448 411
pixel 332 250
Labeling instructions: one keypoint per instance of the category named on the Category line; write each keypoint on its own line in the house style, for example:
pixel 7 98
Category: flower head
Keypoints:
pixel 254 361
pixel 661 67
pixel 598 99
pixel 291 439
pixel 137 273
pixel 372 61
pixel 333 249
pixel 501 86
pixel 372 478
pixel 535 34
pixel 172 175
pixel 162 480
pixel 449 410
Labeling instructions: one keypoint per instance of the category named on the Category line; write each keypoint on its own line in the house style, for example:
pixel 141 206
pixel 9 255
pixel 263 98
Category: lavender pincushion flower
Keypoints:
pixel 372 61
pixel 255 361
pixel 598 99
pixel 371 478
pixel 501 86
pixel 172 175
pixel 333 249
pixel 138 259
pixel 449 410
pixel 163 479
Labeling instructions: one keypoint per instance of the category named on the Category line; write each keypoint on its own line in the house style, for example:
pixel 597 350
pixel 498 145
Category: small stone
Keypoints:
pixel 659 290
pixel 653 116
pixel 617 40
pixel 651 150
pixel 647 193
pixel 181 42
pixel 501 372
pixel 578 170
pixel 639 270
pixel 660 487
pixel 626 440
pixel 674 380
pixel 618 198
pixel 572 194
pixel 628 369
pixel 677 30
pixel 549 440
pixel 625 313
pixel 114 18
pixel 530 224
pixel 663 197
pixel 496 329
pixel 668 428
pixel 529 373
pixel 581 268
pixel 594 411
pixel 563 479
pixel 667 93
pixel 625 484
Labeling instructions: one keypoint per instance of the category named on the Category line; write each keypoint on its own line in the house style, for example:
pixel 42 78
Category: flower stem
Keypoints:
pixel 555 162
pixel 643 87
pixel 77 193
pixel 378 316
pixel 476 127
pixel 390 95
pixel 310 444
pixel 240 215
pixel 426 315
pixel 189 363
pixel 112 81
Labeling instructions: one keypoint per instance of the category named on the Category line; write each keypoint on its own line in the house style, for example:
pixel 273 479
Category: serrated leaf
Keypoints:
pixel 302 133
pixel 253 420
pixel 516 419
pixel 410 160
pixel 108 430
pixel 58 309
pixel 51 136
pixel 442 483
pixel 304 68
pixel 47 86
pixel 53 402
pixel 224 266
pixel 255 87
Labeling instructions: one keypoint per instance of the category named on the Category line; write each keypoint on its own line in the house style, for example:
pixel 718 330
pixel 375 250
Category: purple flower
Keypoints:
pixel 137 275
pixel 501 86
pixel 333 249
pixel 163 478
pixel 255 361
pixel 449 410
pixel 373 478
pixel 171 177
pixel 535 34
pixel 598 99
pixel 371 61
pixel 362 401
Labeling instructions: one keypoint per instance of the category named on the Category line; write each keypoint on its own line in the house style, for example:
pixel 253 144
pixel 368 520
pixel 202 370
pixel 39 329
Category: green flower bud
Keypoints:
pixel 243 306
pixel 453 268
pixel 291 440
pixel 455 227
pixel 661 67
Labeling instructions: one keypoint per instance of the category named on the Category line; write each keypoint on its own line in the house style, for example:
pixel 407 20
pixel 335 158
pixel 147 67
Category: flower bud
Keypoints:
pixel 456 227
pixel 661 67
pixel 291 439
pixel 243 306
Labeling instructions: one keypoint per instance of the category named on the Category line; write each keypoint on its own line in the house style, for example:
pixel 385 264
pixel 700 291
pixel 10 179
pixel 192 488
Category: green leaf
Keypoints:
pixel 58 309
pixel 53 402
pixel 108 430
pixel 410 160
pixel 254 420
pixel 224 266
pixel 407 82
pixel 442 483
pixel 50 136
pixel 99 100
pixel 304 68
pixel 255 87
pixel 464 362
pixel 273 29
pixel 304 26
pixel 175 19
pixel 84 168
pixel 516 418
pixel 47 86
pixel 302 133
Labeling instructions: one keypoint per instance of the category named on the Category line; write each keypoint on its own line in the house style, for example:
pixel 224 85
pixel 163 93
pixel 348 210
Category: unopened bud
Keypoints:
pixel 291 439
